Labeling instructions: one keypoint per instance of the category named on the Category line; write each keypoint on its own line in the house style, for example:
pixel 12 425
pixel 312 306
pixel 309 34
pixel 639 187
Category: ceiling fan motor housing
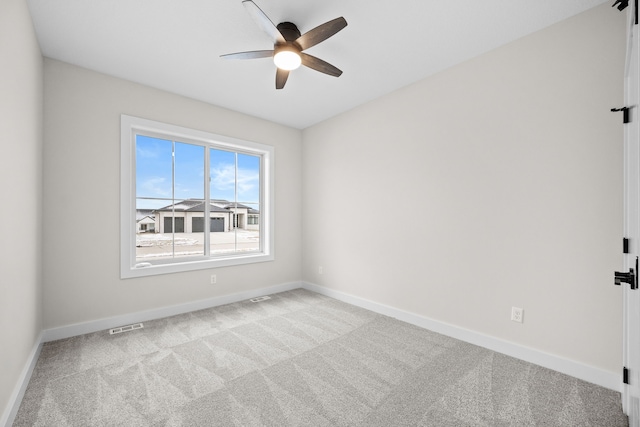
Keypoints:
pixel 289 31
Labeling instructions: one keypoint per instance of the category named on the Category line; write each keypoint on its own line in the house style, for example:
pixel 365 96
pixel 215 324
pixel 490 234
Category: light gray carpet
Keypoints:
pixel 299 359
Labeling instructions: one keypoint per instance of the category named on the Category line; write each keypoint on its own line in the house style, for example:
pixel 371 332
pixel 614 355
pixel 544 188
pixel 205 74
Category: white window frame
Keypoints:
pixel 130 126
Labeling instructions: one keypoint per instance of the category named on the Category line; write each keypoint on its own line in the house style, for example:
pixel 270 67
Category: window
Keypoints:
pixel 172 178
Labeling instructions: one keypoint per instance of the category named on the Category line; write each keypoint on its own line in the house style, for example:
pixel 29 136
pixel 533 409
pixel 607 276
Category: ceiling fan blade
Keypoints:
pixel 319 65
pixel 254 54
pixel 281 78
pixel 263 21
pixel 321 33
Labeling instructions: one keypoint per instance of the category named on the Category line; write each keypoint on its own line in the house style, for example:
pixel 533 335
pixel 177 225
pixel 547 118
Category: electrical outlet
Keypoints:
pixel 214 279
pixel 320 270
pixel 517 314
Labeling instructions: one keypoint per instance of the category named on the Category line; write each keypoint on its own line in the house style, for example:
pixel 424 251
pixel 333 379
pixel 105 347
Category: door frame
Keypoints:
pixel 631 298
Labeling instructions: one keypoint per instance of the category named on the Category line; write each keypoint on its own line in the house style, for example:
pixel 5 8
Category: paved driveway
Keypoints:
pixel 151 246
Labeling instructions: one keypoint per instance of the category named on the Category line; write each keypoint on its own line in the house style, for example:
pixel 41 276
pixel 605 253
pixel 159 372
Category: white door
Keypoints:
pixel 631 298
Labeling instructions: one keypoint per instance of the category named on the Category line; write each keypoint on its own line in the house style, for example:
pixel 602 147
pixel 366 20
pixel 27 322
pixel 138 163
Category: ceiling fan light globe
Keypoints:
pixel 287 60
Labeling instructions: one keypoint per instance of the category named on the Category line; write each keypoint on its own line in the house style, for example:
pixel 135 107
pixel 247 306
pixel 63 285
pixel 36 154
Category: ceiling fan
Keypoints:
pixel 288 45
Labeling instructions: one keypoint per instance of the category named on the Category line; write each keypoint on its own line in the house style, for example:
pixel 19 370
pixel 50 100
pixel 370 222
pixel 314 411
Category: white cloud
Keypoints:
pixel 223 178
pixel 147 153
pixel 155 187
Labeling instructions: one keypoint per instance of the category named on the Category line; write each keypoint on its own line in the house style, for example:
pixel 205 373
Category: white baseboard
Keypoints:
pixel 570 367
pixel 143 316
pixel 13 405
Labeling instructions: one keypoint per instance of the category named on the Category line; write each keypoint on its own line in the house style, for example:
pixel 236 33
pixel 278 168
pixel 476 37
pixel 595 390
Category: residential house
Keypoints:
pixel 187 216
pixel 145 221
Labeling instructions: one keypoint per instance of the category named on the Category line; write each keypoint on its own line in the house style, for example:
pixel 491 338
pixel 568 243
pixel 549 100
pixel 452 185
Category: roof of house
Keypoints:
pixel 143 213
pixel 183 205
pixel 225 204
pixel 212 208
pixel 146 220
pixel 191 205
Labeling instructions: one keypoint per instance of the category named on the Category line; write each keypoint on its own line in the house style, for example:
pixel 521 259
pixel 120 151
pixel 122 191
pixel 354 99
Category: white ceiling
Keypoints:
pixel 176 45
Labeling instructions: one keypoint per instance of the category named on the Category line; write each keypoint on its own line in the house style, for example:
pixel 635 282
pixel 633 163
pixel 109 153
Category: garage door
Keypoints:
pixel 216 225
pixel 168 225
pixel 197 225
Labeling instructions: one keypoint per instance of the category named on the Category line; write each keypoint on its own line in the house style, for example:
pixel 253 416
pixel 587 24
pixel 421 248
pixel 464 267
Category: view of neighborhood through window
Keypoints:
pixel 172 202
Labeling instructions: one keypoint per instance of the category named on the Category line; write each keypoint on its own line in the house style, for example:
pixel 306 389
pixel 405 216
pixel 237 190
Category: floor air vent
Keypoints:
pixel 127 328
pixel 258 299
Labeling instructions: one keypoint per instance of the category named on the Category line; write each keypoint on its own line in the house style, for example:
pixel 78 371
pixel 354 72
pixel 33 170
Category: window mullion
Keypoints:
pixel 207 203
pixel 236 217
pixel 173 199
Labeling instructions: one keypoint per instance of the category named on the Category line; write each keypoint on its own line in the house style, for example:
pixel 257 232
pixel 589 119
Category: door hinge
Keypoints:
pixel 625 245
pixel 622 5
pixel 631 277
pixel 625 113
pixel 625 375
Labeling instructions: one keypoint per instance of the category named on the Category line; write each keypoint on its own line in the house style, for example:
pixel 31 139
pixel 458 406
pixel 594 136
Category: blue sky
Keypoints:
pixel 154 173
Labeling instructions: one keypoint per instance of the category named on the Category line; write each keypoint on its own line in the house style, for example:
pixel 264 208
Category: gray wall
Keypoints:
pixel 21 178
pixel 82 197
pixel 493 184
